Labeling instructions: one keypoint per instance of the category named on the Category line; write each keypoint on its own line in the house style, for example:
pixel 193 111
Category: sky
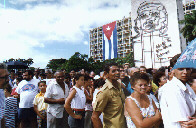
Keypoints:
pixel 53 29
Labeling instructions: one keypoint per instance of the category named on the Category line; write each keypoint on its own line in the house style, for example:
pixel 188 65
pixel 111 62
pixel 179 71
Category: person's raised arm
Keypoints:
pixel 67 105
pixel 136 116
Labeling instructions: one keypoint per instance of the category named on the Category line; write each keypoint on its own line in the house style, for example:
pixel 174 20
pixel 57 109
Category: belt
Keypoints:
pixel 78 110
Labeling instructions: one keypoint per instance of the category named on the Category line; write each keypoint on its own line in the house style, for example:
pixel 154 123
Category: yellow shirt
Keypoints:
pixel 154 87
pixel 39 101
pixel 110 101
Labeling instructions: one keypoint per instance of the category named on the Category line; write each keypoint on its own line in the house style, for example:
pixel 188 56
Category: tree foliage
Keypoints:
pixel 81 61
pixel 56 64
pixel 189 30
pixel 77 62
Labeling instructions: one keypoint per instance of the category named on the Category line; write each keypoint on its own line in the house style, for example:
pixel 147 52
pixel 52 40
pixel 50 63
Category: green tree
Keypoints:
pixel 56 64
pixel 78 61
pixel 189 30
pixel 97 66
pixel 81 61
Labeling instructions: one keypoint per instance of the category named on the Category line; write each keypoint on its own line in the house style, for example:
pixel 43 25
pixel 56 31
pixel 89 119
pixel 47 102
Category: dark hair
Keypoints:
pixel 42 74
pixel 58 71
pixel 8 88
pixel 120 66
pixel 86 77
pixel 162 69
pixel 174 60
pixel 19 78
pixel 77 77
pixel 67 76
pixel 41 82
pixel 12 71
pixel 98 83
pixel 137 76
pixel 19 74
pixel 142 67
pixel 29 72
pixel 107 66
pixel 149 70
pixel 157 76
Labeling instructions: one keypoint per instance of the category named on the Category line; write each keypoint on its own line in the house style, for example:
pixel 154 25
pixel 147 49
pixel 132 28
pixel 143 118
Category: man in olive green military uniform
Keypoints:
pixel 110 101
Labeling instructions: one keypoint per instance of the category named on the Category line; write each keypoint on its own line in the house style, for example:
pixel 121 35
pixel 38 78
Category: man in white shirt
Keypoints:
pixel 27 90
pixel 176 100
pixel 55 96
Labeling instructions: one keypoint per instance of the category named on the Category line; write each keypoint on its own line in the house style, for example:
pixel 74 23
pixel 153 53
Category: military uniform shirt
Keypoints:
pixel 110 101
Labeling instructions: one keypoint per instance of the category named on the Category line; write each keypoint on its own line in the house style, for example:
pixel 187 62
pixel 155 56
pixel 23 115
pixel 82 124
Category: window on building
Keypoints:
pixel 192 6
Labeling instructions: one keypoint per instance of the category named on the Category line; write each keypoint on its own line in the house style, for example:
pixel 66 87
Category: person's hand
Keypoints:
pixel 158 114
pixel 77 116
pixel 189 124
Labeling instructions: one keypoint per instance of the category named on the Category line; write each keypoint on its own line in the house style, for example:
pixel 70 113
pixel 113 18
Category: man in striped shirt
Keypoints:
pixel 4 80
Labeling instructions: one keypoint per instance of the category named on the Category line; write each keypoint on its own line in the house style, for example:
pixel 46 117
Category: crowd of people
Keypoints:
pixel 118 97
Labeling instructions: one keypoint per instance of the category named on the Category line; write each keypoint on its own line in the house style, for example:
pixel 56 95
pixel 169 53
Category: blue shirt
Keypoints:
pixel 129 89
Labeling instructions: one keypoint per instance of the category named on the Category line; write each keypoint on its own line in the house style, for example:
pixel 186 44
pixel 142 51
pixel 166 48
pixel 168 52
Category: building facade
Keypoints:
pixel 188 6
pixel 152 32
pixel 123 40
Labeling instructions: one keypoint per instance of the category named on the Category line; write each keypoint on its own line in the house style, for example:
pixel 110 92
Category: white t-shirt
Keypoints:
pixel 176 103
pixel 27 90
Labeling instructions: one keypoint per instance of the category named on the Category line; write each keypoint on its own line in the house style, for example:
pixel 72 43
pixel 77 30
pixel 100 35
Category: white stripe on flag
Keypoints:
pixel 112 45
pixel 106 48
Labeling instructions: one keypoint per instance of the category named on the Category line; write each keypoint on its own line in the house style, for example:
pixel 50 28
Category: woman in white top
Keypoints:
pixel 142 111
pixel 75 103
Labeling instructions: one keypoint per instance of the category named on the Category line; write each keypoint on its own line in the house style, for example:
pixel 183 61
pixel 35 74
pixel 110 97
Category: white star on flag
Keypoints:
pixel 108 28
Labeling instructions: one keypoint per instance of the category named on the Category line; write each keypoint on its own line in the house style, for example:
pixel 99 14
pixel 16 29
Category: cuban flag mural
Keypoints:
pixel 109 41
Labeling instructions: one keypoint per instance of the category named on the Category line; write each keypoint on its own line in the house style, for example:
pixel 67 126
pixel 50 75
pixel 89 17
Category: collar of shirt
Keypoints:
pixel 40 94
pixel 111 86
pixel 179 84
pixel 57 83
pixel 191 92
